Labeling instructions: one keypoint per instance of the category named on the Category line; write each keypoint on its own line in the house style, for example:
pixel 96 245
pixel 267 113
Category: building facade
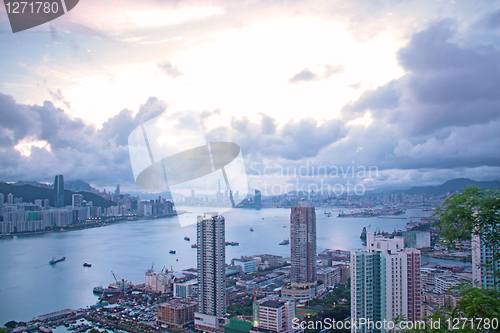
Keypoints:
pixel 274 314
pixel 59 191
pixel 176 313
pixel 482 275
pixel 385 282
pixel 303 245
pixel 211 252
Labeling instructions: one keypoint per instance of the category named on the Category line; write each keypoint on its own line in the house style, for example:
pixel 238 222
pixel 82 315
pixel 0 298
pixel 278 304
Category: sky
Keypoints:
pixel 383 94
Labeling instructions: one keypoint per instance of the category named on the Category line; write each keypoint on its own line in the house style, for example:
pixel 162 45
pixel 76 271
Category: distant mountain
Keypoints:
pixel 77 185
pixel 451 186
pixel 33 183
pixel 30 193
pixel 73 185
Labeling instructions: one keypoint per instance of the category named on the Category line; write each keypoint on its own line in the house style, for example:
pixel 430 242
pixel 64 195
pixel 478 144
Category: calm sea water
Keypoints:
pixel 29 286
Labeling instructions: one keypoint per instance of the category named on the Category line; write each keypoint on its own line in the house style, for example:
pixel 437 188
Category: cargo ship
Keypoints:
pixel 55 261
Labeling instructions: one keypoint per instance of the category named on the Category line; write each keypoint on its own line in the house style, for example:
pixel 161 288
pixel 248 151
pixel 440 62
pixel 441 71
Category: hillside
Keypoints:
pixel 451 186
pixel 30 193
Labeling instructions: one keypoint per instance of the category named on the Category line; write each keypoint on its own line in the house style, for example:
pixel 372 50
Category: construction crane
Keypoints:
pixel 121 284
pixel 162 269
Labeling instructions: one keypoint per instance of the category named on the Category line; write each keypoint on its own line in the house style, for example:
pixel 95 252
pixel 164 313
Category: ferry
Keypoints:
pixel 171 251
pixel 232 243
pixel 86 264
pixel 55 261
pixel 285 242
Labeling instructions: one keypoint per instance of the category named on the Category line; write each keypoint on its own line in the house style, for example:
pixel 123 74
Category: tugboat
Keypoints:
pixel 86 264
pixel 186 238
pixel 171 251
pixel 55 261
pixel 285 242
pixel 251 229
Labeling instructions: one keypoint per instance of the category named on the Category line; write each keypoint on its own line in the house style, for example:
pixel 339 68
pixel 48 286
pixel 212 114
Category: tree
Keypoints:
pixel 473 211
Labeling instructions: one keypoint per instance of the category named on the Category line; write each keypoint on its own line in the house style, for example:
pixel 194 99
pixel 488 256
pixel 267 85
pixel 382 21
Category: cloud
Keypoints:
pixel 71 147
pixel 332 70
pixel 307 75
pixel 169 70
pixel 58 96
pixel 304 75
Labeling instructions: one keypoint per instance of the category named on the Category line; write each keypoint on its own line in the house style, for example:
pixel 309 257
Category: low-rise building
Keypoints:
pixel 176 313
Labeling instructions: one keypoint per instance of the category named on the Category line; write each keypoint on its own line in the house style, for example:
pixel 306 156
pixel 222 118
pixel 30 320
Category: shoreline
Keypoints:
pixel 91 224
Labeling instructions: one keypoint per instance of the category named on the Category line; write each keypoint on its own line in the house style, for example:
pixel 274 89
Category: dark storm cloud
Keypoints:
pixel 293 141
pixel 169 70
pixel 75 149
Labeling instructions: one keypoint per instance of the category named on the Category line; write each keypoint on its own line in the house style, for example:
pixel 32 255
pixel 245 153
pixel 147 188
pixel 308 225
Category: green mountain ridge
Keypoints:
pixel 30 193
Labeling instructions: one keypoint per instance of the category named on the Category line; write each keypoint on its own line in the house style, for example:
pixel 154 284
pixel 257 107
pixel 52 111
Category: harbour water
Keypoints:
pixel 30 286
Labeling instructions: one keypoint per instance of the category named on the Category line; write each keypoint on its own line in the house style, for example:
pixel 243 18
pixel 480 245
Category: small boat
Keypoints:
pixel 284 226
pixel 98 290
pixel 171 251
pixel 55 261
pixel 86 264
pixel 285 242
pixel 251 229
pixel 187 238
pixel 194 246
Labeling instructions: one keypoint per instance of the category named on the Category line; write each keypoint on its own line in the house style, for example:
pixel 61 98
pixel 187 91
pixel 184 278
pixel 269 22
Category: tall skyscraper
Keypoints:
pixel 10 199
pixel 211 252
pixel 59 189
pixel 303 252
pixel 2 199
pixel 484 276
pixel 385 282
pixel 257 203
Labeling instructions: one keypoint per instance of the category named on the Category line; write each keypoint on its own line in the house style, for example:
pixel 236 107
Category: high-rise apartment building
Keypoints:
pixel 303 252
pixel 484 275
pixel 10 199
pixel 211 273
pixel 385 282
pixel 77 200
pixel 59 190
